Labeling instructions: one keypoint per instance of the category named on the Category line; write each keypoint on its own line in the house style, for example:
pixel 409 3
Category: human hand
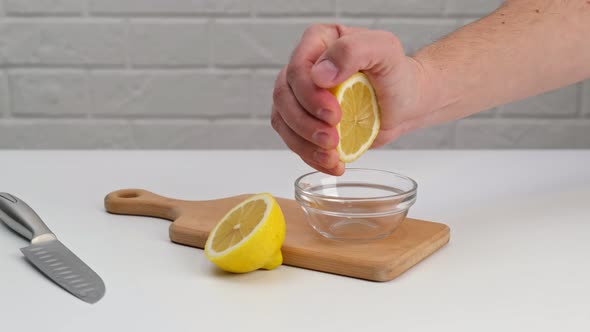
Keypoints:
pixel 305 113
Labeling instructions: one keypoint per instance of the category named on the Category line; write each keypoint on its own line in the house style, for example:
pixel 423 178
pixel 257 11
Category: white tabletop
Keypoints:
pixel 518 259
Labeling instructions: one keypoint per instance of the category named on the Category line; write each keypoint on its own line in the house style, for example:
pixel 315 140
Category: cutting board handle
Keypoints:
pixel 141 202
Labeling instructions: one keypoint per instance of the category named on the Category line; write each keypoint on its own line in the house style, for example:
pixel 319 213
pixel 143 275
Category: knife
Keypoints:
pixel 49 255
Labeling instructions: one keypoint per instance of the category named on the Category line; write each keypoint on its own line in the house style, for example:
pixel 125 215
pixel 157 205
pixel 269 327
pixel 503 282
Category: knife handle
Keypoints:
pixel 22 219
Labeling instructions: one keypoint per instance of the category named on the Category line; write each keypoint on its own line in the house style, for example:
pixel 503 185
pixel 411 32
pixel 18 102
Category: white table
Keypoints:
pixel 518 259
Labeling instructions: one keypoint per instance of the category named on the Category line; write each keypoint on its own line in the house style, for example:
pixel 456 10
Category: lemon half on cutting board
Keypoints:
pixel 361 118
pixel 249 237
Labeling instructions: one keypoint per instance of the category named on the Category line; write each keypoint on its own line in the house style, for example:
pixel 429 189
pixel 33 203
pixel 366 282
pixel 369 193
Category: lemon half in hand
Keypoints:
pixel 361 120
pixel 249 237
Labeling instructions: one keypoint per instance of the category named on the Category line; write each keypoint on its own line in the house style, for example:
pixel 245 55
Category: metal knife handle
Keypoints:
pixel 22 219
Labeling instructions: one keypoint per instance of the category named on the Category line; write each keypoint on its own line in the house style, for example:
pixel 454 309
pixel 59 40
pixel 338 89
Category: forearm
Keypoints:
pixel 525 48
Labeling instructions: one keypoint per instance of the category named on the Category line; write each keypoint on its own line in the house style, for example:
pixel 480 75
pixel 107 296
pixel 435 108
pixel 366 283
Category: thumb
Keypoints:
pixel 374 52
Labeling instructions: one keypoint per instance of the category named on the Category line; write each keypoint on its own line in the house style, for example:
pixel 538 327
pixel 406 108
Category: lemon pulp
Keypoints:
pixel 249 236
pixel 360 122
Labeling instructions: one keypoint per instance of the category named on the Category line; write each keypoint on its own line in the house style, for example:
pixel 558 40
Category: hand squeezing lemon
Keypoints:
pixel 360 122
pixel 249 237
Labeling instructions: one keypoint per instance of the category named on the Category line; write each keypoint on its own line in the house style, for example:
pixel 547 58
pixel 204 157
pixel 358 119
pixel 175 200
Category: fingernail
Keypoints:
pixel 325 70
pixel 321 157
pixel 321 138
pixel 325 115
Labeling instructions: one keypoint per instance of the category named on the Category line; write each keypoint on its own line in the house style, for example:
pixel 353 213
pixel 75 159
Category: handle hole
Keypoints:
pixel 131 194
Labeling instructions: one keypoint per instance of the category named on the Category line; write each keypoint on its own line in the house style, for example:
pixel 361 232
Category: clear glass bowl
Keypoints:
pixel 362 204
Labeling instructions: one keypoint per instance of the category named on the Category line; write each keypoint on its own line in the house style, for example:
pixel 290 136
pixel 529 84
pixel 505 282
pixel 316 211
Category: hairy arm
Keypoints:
pixel 524 48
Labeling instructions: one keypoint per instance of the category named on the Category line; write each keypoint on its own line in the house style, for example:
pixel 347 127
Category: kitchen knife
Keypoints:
pixel 48 254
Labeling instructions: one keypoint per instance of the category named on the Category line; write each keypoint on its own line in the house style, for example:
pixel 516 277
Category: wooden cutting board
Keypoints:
pixel 380 260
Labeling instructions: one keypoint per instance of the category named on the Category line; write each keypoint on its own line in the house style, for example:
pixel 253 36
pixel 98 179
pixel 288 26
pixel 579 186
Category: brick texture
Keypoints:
pixel 44 7
pixel 437 137
pixel 389 8
pixel 223 134
pixel 49 93
pixel 168 7
pixel 169 44
pixel 262 86
pixel 171 93
pixel 586 99
pixel 254 44
pixel 471 7
pixel 62 44
pixel 293 8
pixel 415 34
pixel 4 99
pixel 523 133
pixel 558 103
pixel 199 74
pixel 64 134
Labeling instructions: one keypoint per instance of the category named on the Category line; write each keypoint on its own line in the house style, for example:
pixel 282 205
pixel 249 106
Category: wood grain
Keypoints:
pixel 380 260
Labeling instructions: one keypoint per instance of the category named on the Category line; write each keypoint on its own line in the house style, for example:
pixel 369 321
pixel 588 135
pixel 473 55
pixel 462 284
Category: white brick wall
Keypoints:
pixel 529 133
pixel 199 73
pixel 416 33
pixel 257 43
pixel 292 8
pixel 389 7
pixel 262 84
pixel 438 137
pixel 49 93
pixel 164 43
pixel 4 97
pixel 586 99
pixel 69 133
pixel 557 103
pixel 44 7
pixel 62 42
pixel 171 93
pixel 196 134
pixel 168 7
pixel 471 7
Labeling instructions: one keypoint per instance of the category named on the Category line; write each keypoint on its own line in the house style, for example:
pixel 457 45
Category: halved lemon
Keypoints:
pixel 361 118
pixel 249 237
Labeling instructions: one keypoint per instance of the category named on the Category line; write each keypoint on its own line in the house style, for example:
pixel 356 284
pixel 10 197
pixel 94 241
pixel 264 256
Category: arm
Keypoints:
pixel 524 48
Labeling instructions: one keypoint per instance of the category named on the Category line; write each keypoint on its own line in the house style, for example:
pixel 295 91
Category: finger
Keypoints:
pixel 336 171
pixel 314 42
pixel 298 120
pixel 375 52
pixel 327 159
pixel 318 102
pixel 315 100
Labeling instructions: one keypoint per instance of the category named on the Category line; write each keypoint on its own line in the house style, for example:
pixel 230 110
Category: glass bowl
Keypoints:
pixel 363 204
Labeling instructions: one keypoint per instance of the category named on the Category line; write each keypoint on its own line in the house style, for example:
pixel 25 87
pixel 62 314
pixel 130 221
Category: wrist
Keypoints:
pixel 434 92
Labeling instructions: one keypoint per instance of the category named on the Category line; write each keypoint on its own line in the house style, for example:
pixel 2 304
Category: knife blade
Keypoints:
pixel 48 254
